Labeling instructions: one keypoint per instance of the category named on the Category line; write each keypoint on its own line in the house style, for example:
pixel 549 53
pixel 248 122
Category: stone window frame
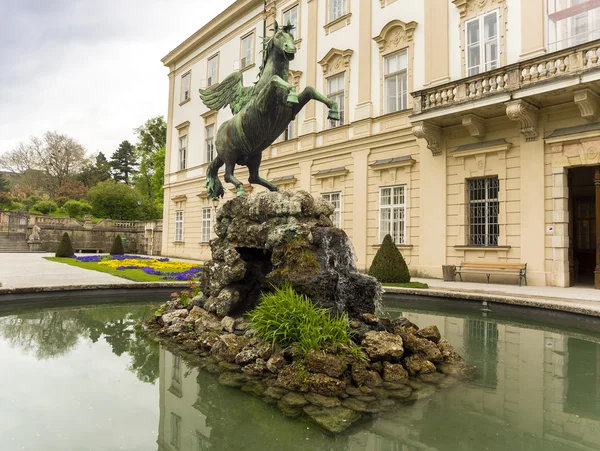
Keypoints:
pixel 396 36
pixel 339 22
pixel 183 101
pixel 179 208
pixel 471 9
pixel 298 30
pixel 183 130
pixel 337 62
pixel 208 60
pixel 475 165
pixel 253 62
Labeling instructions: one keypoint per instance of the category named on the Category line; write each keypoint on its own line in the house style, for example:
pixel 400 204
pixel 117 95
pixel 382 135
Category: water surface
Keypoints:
pixel 81 379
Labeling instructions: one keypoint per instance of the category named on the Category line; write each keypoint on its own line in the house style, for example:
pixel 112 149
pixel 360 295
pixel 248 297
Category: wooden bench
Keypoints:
pixel 88 250
pixel 489 268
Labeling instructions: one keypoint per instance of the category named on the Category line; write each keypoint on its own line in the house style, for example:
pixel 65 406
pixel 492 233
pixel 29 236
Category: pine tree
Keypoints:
pixel 117 246
pixel 388 265
pixel 4 185
pixel 65 248
pixel 123 162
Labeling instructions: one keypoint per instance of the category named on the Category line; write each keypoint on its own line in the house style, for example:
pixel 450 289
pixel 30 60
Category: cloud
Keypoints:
pixel 90 69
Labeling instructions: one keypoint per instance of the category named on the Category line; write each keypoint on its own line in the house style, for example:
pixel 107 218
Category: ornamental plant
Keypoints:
pixel 117 246
pixel 388 265
pixel 287 318
pixel 65 248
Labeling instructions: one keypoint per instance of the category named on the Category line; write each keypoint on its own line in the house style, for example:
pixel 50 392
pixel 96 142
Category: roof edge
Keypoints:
pixel 233 12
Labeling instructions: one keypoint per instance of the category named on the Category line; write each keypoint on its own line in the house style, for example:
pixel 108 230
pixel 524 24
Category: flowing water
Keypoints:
pixel 81 379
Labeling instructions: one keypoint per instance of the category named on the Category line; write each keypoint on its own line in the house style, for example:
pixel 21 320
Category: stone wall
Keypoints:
pixel 141 237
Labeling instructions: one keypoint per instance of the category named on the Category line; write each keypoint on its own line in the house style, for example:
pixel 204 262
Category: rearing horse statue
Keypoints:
pixel 260 113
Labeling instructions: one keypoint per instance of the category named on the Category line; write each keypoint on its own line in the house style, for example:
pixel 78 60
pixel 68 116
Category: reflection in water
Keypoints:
pixel 539 390
pixel 50 334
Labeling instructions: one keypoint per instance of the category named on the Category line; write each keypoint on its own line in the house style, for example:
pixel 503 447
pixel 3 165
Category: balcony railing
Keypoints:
pixel 514 77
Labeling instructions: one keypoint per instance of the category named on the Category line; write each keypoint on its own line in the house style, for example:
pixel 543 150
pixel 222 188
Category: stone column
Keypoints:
pixel 364 107
pixel 597 271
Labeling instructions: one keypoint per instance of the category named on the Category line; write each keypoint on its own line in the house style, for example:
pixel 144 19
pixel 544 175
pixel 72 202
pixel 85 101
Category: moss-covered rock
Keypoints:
pixel 388 265
pixel 334 419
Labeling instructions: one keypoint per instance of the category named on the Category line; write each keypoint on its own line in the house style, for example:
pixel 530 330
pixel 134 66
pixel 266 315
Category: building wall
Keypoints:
pixel 433 32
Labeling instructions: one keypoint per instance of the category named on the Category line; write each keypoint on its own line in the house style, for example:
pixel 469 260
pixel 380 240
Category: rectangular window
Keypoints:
pixel 483 43
pixel 288 133
pixel 395 69
pixel 337 8
pixel 483 211
pixel 179 225
pixel 185 87
pixel 291 17
pixel 247 51
pixel 572 22
pixel 336 87
pixel 336 200
pixel 206 224
pixel 182 152
pixel 210 143
pixel 212 76
pixel 392 211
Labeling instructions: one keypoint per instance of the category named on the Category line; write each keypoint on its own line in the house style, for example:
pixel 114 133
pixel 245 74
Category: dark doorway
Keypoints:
pixel 582 225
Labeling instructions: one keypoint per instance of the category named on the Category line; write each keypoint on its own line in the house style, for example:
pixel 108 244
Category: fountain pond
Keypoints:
pixel 80 378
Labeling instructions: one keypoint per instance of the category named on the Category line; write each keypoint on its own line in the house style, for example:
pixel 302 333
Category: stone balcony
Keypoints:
pixel 518 90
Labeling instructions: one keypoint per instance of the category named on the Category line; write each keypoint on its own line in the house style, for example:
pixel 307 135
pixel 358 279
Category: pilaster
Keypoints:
pixel 310 117
pixel 364 107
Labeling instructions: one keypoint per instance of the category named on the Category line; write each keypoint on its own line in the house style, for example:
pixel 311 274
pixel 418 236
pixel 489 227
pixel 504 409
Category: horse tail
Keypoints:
pixel 213 184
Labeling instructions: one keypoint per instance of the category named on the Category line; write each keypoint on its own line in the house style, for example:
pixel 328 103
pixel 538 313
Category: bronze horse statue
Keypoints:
pixel 260 113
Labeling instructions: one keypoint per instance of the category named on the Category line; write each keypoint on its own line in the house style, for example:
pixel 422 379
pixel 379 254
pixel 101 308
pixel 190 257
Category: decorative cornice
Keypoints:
pixel 588 102
pixel 475 125
pixel 179 198
pixel 183 125
pixel 327 173
pixel 526 114
pixel 284 180
pixel 396 162
pixel 336 59
pixel 430 133
pixel 495 146
pixel 395 33
pixel 294 77
pixel 474 7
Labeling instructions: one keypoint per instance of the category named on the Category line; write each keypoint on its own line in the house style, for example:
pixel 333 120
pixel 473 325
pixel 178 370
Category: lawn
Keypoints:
pixel 407 285
pixel 137 275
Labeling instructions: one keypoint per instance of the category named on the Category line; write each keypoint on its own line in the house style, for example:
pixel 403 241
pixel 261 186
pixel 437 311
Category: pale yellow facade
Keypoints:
pixel 500 91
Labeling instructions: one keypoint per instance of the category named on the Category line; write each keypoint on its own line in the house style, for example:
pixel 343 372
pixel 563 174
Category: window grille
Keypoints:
pixel 483 211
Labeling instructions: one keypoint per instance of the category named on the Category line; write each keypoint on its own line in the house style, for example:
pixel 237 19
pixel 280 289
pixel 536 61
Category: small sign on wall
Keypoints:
pixel 550 229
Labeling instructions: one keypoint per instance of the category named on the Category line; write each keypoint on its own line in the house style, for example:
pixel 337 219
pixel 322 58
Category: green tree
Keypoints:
pixel 96 170
pixel 76 208
pixel 110 199
pixel 4 185
pixel 388 265
pixel 123 162
pixel 150 149
pixel 45 207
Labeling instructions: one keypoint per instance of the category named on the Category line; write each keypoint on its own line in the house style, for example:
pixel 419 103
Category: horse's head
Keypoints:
pixel 283 41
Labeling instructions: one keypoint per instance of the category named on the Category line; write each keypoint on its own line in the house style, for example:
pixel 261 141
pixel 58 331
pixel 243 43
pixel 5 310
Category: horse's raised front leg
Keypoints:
pixel 309 93
pixel 229 178
pixel 253 165
pixel 271 94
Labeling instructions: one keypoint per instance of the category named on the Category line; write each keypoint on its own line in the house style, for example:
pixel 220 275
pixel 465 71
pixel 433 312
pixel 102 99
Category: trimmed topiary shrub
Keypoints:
pixel 117 246
pixel 388 265
pixel 65 248
pixel 76 208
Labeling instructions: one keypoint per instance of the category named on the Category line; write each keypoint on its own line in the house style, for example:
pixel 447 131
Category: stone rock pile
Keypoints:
pixel 333 387
pixel 283 237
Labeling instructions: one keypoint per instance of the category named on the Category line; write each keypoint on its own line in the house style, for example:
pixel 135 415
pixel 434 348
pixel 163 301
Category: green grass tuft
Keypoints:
pixel 407 285
pixel 287 318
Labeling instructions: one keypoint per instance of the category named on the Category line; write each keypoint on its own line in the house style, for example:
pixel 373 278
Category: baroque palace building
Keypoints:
pixel 469 128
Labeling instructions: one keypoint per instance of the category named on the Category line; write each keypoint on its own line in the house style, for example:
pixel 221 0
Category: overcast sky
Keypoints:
pixel 89 68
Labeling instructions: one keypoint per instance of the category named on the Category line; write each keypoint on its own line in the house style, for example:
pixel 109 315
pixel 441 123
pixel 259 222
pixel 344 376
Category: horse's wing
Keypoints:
pixel 230 92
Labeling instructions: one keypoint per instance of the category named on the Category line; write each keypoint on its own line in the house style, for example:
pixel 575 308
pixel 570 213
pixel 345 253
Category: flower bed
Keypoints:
pixel 170 270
